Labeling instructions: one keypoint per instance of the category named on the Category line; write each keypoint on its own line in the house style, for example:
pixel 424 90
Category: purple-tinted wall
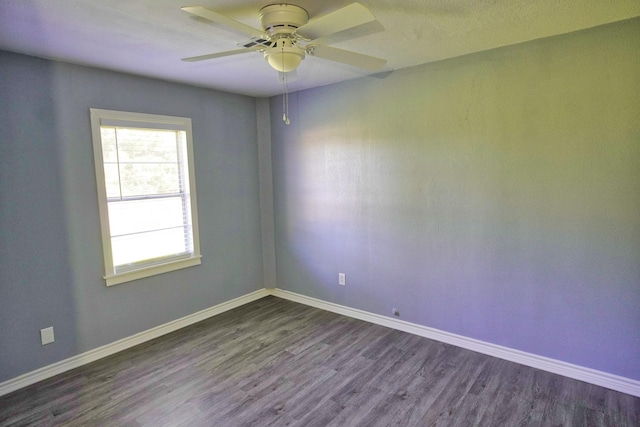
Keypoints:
pixel 495 196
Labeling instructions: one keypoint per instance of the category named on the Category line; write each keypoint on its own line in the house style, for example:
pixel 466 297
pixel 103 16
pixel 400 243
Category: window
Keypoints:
pixel 146 194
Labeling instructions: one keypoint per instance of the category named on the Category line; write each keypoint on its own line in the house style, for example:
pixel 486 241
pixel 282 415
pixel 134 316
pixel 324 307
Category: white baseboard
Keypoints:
pixel 592 376
pixel 603 379
pixel 125 343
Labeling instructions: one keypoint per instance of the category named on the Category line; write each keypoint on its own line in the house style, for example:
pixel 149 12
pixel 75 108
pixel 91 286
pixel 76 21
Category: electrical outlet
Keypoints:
pixel 395 312
pixel 342 279
pixel 46 335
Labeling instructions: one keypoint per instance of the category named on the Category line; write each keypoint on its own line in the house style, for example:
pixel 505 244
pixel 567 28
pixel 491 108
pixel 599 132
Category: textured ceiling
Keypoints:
pixel 148 37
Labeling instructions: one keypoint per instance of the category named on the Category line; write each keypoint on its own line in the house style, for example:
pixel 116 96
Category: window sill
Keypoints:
pixel 116 279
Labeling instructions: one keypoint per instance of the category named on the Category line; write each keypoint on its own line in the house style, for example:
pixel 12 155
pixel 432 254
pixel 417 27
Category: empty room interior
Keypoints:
pixel 410 213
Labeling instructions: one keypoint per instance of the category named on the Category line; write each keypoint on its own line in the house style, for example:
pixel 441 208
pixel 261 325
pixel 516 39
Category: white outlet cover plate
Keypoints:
pixel 46 335
pixel 342 279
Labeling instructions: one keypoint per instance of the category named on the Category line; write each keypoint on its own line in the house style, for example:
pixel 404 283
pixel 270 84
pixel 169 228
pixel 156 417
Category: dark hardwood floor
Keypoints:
pixel 278 363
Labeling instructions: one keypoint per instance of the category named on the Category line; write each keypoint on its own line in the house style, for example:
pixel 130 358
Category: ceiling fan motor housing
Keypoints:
pixel 282 18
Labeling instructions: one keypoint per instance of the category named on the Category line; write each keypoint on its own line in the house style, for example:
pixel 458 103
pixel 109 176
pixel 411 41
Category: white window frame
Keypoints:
pixel 150 121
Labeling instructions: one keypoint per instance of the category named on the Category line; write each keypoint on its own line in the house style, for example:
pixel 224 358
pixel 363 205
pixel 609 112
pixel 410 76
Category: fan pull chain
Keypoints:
pixel 285 95
pixel 286 104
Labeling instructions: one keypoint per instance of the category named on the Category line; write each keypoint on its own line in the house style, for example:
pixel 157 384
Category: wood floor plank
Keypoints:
pixel 358 410
pixel 277 363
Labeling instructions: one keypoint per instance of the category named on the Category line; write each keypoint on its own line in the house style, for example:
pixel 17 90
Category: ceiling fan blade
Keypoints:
pixel 217 55
pixel 349 16
pixel 350 33
pixel 218 18
pixel 347 57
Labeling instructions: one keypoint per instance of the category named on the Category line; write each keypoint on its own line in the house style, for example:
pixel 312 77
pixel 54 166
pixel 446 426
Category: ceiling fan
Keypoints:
pixel 287 35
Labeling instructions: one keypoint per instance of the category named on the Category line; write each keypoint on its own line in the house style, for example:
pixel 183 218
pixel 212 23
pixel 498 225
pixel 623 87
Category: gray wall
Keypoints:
pixel 495 195
pixel 50 249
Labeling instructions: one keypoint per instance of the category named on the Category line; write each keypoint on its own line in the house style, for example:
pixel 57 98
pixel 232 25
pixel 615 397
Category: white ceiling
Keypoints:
pixel 148 37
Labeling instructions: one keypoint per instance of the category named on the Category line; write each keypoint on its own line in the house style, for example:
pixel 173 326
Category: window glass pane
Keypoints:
pixel 112 180
pixel 137 216
pixel 146 145
pixel 108 136
pixel 149 179
pixel 147 246
pixel 148 216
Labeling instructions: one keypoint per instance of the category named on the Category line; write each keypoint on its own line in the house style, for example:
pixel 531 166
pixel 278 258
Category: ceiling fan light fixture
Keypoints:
pixel 284 58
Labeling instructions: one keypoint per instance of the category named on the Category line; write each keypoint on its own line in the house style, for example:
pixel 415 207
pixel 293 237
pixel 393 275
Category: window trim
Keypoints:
pixel 127 119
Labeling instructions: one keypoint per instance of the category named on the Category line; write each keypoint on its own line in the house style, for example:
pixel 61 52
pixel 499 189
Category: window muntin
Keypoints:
pixel 146 191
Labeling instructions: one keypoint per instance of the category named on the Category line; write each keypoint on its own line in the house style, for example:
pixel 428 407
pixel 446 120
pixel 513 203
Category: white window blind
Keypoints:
pixel 144 169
